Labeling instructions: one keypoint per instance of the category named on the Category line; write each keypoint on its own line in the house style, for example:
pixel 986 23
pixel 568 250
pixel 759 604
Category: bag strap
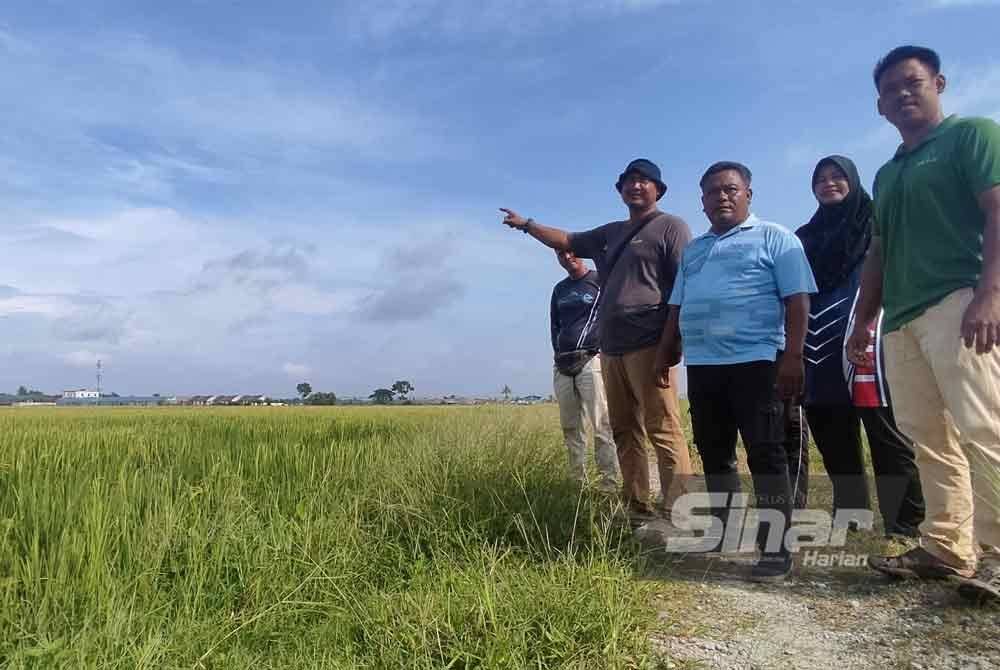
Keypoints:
pixel 613 255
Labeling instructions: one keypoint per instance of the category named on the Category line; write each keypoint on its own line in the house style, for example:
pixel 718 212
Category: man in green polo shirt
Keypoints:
pixel 934 265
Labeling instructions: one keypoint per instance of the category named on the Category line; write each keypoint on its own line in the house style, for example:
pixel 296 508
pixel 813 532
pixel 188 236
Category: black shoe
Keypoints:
pixel 771 569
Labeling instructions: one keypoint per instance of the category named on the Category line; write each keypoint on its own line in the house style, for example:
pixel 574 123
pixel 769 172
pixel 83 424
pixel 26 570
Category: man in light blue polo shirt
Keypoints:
pixel 740 305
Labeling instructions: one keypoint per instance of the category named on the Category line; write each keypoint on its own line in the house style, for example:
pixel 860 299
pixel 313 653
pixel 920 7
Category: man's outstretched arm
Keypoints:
pixel 551 237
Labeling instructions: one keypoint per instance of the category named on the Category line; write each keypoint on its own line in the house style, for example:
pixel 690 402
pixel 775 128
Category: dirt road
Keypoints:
pixel 824 617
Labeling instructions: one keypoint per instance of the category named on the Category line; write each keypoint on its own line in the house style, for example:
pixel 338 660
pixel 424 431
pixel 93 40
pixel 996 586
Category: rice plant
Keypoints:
pixel 307 538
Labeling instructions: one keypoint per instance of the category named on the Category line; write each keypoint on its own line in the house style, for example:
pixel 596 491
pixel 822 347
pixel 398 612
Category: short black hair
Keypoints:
pixel 926 56
pixel 722 166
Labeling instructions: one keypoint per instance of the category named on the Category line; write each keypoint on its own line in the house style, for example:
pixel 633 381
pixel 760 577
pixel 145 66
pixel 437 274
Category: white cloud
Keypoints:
pixel 51 306
pixel 128 227
pixel 155 282
pixel 121 251
pixel 304 299
pixel 219 104
pixel 973 91
pixel 296 370
pixel 146 121
pixel 803 154
pixel 85 359
pixel 884 137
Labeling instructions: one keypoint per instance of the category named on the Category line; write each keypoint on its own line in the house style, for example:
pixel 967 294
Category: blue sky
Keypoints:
pixel 236 197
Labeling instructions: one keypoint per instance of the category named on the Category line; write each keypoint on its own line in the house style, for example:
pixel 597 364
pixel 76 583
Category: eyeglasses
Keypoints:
pixel 731 190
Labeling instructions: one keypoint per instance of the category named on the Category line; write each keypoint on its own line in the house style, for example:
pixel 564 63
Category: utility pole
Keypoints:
pixel 98 377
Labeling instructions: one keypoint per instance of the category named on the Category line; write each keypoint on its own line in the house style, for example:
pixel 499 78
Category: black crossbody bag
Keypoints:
pixel 572 363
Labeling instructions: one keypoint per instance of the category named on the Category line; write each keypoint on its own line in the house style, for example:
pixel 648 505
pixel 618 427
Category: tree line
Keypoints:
pixel 380 396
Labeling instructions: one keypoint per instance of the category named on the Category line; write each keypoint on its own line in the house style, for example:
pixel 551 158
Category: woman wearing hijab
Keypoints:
pixel 839 396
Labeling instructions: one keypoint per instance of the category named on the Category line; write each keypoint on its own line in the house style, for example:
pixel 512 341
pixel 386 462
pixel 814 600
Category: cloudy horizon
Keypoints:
pixel 213 201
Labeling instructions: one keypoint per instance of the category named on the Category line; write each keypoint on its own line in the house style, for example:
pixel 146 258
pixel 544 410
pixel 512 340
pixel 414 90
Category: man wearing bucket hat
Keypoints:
pixel 636 260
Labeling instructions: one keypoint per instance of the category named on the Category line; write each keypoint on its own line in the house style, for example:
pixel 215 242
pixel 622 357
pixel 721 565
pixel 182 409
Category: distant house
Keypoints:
pixel 240 400
pixel 8 399
pixel 457 400
pixel 81 394
pixel 250 400
pixel 110 401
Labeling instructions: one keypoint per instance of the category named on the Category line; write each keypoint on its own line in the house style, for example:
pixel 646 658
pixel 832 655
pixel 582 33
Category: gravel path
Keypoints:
pixel 843 617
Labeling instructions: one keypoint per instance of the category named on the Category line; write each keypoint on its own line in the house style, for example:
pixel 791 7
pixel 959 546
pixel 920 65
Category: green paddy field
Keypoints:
pixel 308 538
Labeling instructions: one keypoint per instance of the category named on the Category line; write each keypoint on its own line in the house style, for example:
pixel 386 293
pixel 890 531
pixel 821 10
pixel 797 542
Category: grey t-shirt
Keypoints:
pixel 635 291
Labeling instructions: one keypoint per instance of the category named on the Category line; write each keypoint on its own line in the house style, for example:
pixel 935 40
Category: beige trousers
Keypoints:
pixel 640 411
pixel 582 405
pixel 947 399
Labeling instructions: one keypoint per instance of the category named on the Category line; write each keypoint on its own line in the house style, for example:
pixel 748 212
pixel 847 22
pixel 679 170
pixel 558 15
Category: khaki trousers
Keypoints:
pixel 640 411
pixel 947 400
pixel 582 405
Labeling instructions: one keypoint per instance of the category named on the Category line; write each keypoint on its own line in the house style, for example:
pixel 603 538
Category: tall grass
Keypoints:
pixel 341 538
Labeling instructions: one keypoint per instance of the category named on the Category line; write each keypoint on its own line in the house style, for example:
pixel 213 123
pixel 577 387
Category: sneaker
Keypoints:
pixel 984 585
pixel 666 512
pixel 640 513
pixel 771 570
pixel 917 563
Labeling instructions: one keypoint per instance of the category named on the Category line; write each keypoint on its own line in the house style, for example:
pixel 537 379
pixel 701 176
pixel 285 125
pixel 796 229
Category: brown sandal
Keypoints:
pixel 917 563
pixel 984 586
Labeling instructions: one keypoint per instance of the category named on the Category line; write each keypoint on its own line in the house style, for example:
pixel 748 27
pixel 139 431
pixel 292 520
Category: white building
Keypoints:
pixel 81 393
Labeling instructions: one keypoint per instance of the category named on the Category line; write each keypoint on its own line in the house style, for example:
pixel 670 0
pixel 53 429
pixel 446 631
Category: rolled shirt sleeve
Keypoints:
pixel 589 243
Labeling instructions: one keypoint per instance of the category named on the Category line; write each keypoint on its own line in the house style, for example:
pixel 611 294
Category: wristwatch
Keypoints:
pixel 527 224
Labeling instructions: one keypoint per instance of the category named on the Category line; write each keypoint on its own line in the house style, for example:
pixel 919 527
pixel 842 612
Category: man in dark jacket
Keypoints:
pixel 576 375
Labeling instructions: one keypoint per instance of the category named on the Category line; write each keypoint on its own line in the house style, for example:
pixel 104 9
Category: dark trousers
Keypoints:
pixel 740 398
pixel 837 432
pixel 797 451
